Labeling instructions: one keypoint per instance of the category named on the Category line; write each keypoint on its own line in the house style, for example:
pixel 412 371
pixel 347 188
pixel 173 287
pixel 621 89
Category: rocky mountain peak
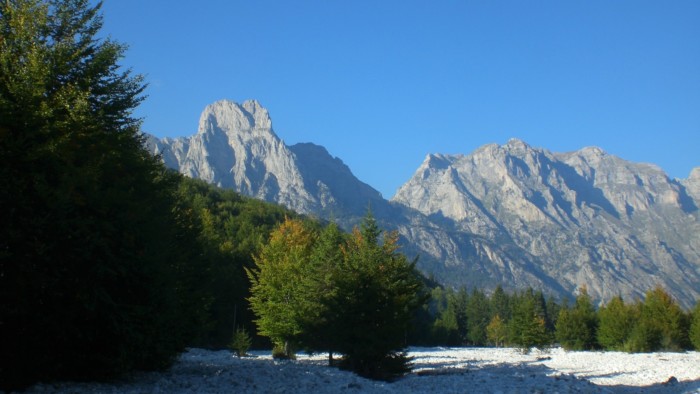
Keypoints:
pixel 592 154
pixel 436 161
pixel 233 118
pixel 692 184
pixel 235 147
pixel 516 145
pixel 694 174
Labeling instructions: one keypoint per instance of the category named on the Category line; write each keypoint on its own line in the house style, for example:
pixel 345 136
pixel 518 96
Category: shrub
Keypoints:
pixel 241 342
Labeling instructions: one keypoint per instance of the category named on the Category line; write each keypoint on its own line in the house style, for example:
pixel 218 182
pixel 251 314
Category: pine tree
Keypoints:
pixel 459 307
pixel 576 327
pixel 694 331
pixel 661 325
pixel 377 293
pixel 616 321
pixel 319 282
pixel 445 327
pixel 500 304
pixel 527 327
pixel 94 250
pixel 478 317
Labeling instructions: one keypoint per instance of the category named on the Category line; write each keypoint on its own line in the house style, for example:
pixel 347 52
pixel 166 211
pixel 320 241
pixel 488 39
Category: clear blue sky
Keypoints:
pixel 381 84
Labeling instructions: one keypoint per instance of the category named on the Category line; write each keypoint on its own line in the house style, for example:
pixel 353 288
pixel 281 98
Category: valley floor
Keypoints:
pixel 435 370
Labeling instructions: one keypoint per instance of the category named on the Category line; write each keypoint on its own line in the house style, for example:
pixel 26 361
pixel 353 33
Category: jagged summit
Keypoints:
pixel 235 147
pixel 231 117
pixel 692 184
pixel 694 174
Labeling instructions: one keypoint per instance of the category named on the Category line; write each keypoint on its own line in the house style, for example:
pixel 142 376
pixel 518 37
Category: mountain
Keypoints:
pixel 508 214
pixel 235 147
pixel 562 220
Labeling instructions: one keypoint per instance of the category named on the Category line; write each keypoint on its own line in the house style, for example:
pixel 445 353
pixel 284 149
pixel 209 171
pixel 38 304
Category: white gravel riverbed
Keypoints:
pixel 435 370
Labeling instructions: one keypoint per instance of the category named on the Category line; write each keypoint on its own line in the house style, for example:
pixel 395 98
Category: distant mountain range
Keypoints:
pixel 512 215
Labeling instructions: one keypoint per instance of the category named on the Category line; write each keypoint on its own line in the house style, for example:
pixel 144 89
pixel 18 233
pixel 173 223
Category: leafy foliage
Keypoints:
pixel 277 292
pixel 450 326
pixel 497 331
pixel 230 230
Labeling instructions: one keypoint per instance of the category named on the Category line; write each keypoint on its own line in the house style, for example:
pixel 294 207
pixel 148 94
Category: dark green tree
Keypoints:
pixel 231 228
pixel 576 327
pixel 478 317
pixel 528 326
pixel 500 304
pixel 662 325
pixel 378 292
pixel 694 332
pixel 319 282
pixel 616 321
pixel 553 308
pixel 444 327
pixel 458 306
pixel 645 335
pixel 94 248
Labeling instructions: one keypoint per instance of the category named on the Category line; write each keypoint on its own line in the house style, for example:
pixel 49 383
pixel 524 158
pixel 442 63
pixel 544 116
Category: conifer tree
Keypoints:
pixel 478 317
pixel 458 306
pixel 661 325
pixel 576 327
pixel 445 327
pixel 694 332
pixel 319 282
pixel 377 293
pixel 528 326
pixel 500 304
pixel 616 321
pixel 94 250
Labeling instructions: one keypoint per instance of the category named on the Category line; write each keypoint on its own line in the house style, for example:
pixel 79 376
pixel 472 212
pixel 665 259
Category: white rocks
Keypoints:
pixel 435 370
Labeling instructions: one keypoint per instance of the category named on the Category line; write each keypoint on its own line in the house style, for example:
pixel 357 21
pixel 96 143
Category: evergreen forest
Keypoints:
pixel 109 263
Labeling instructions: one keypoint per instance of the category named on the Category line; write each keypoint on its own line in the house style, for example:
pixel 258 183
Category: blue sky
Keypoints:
pixel 381 84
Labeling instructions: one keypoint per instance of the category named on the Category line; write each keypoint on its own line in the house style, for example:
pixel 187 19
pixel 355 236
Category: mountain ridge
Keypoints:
pixel 504 214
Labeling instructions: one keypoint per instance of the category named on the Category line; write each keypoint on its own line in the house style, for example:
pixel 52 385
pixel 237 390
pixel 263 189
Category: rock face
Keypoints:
pixel 512 215
pixel 560 221
pixel 236 148
pixel 692 184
